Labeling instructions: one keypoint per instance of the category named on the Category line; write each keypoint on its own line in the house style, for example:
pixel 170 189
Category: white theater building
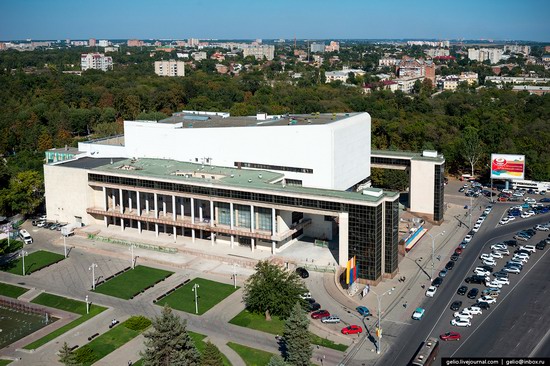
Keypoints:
pixel 263 181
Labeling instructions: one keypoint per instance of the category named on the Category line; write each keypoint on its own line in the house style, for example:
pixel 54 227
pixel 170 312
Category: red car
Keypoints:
pixel 352 329
pixel 458 250
pixel 320 314
pixel 450 336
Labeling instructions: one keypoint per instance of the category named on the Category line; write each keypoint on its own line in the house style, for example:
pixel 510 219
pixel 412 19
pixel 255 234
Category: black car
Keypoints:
pixel 314 307
pixel 472 294
pixel 302 272
pixel 456 305
pixel 501 274
pixel 522 251
pixel 311 300
pixel 454 257
pixel 541 245
pixel 511 243
pixel 449 265
pixel 482 305
pixel 475 279
pixel 487 268
pixel 462 290
pixel 437 282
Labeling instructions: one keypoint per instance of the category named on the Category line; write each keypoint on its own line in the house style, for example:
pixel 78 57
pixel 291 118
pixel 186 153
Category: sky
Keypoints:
pixel 274 19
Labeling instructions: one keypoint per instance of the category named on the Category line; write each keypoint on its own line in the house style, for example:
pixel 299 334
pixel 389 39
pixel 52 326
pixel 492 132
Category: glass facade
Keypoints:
pixel 224 214
pixel 391 236
pixel 240 164
pixel 365 240
pixel 389 161
pixel 439 192
pixel 263 215
pixel 242 213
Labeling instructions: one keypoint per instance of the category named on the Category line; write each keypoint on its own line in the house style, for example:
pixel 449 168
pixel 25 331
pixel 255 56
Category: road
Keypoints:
pixel 508 312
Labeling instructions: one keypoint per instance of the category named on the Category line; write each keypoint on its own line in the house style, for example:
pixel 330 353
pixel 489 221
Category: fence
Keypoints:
pixel 23 307
pixel 153 247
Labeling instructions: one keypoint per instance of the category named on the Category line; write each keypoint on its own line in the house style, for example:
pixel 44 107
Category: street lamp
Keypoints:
pixel 87 305
pixel 132 250
pixel 64 245
pixel 196 291
pixel 235 265
pixel 433 252
pixel 92 268
pixel 23 254
pixel 379 331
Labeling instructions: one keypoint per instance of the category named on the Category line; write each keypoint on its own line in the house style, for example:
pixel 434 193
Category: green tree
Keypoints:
pixel 297 339
pixel 277 360
pixel 472 146
pixel 168 343
pixel 211 355
pixel 66 356
pixel 25 193
pixel 272 290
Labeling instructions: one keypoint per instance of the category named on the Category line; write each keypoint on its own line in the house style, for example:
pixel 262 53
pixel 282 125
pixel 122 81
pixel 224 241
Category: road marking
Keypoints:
pixel 508 294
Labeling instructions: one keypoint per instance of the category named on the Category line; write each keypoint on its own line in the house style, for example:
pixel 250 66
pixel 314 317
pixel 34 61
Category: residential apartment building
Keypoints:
pixel 259 51
pixel 317 47
pixel 170 68
pixel 92 42
pixel 387 61
pixel 96 61
pixel 104 43
pixel 199 56
pixel 342 75
pixel 135 43
pixel 494 55
pixel 516 48
pixel 409 67
pixel 437 52
pixel 517 80
pixel 333 47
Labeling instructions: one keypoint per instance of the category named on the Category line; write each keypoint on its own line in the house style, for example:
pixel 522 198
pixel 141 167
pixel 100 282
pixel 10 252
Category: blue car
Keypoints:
pixel 363 310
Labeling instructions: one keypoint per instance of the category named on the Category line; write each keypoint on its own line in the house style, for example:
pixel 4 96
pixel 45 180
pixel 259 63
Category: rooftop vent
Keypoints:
pixel 429 154
pixel 260 176
pixel 250 181
pixel 373 192
pixel 261 116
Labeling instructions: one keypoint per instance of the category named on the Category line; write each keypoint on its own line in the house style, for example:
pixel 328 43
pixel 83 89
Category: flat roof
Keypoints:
pixel 409 155
pixel 214 175
pixel 66 150
pixel 190 120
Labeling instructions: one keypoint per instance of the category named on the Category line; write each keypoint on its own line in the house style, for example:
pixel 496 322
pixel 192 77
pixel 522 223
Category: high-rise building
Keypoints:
pixel 494 55
pixel 104 43
pixel 134 43
pixel 92 42
pixel 170 68
pixel 260 51
pixel 333 47
pixel 96 61
pixel 317 47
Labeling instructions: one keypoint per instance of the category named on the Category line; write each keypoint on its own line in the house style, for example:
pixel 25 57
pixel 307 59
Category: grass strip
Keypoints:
pixel 132 282
pixel 33 262
pixel 11 290
pixel 251 356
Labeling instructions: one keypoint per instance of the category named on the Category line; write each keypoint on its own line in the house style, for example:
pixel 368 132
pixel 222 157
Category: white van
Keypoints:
pixel 25 236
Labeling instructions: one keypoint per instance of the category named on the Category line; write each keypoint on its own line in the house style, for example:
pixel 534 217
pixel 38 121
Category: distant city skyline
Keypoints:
pixel 248 19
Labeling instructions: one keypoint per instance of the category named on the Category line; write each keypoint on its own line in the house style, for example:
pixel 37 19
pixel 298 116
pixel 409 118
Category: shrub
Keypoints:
pixel 137 323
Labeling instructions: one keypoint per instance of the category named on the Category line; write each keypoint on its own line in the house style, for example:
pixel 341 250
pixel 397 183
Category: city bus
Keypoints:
pixel 427 353
pixel 530 184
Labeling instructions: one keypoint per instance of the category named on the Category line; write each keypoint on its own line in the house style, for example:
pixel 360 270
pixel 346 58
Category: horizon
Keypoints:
pixel 506 20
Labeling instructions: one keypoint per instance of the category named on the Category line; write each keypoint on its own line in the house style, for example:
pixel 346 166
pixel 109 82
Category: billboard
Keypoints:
pixel 504 166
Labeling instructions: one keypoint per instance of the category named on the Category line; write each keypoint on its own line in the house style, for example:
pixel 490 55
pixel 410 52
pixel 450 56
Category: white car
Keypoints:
pixel 494 284
pixel 481 272
pixel 306 295
pixel 542 228
pixel 476 227
pixel 474 310
pixel 511 218
pixel 487 299
pixel 502 281
pixel 529 248
pixel 525 215
pixel 467 239
pixel 504 221
pixel 330 319
pixel 463 315
pixel 518 260
pixel 431 291
pixel 522 255
pixel 489 262
pixel 461 322
pixel 485 256
pixel 512 270
pixel 497 255
pixel 498 246
pixel 504 251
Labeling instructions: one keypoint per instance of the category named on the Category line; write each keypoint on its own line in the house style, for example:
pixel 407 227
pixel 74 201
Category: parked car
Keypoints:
pixel 443 272
pixel 487 299
pixel 474 310
pixel 460 314
pixel 461 322
pixel 472 294
pixel 512 270
pixel 450 336
pixel 320 314
pixel 431 291
pixel 450 265
pixel 352 329
pixel 456 305
pixel 302 272
pixel 437 282
pixel 305 295
pixel 462 290
pixel 529 248
pixel 364 311
pixel 418 313
pixel 454 257
pixel 331 319
pixel 314 306
pixel 541 245
pixel 482 305
pixel 490 262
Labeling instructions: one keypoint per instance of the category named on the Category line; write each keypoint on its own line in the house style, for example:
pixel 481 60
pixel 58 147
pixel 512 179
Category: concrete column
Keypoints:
pixel 273 221
pixel 252 219
pixel 343 245
pixel 174 209
pixel 156 229
pixel 105 199
pixel 182 207
pixel 130 201
pixel 252 242
pixel 231 217
pixel 121 224
pixel 156 208
pixel 212 215
pixel 139 226
pixel 121 201
pixel 113 199
pixel 193 235
pixel 163 206
pixel 212 237
pixel 138 202
pixel 174 232
pixel 200 213
pixel 232 241
pixel 192 210
pixel 147 203
pixel 273 246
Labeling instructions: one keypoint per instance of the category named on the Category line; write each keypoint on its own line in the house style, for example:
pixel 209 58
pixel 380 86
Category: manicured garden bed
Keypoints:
pixel 11 290
pixel 131 283
pixel 251 356
pixel 34 261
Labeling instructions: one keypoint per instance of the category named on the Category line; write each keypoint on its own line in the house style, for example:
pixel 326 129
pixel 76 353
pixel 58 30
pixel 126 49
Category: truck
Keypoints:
pixel 67 230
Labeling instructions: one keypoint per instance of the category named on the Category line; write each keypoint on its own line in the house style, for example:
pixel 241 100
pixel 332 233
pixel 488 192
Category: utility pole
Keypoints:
pixel 23 254
pixel 196 291
pixel 92 268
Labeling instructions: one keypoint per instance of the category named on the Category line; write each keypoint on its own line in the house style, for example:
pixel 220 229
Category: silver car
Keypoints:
pixel 330 319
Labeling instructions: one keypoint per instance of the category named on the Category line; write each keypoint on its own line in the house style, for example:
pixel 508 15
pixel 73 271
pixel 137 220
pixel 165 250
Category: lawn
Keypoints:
pixel 12 247
pixel 11 290
pixel 33 262
pixel 198 339
pixel 5 362
pixel 132 282
pixel 66 304
pixel 251 356
pixel 210 293
pixel 276 326
pixel 109 341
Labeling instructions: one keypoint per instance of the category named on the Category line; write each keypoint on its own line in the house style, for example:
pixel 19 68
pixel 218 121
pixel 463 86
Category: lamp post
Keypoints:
pixel 433 252
pixel 196 291
pixel 64 245
pixel 92 268
pixel 235 274
pixel 23 254
pixel 379 330
pixel 132 250
pixel 87 305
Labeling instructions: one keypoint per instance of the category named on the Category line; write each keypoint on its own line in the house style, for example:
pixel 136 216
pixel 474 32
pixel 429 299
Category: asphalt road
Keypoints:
pixel 511 312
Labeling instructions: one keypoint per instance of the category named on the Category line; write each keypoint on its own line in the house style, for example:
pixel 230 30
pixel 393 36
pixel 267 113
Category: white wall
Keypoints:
pixel 319 228
pixel 66 193
pixel 103 151
pixel 422 185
